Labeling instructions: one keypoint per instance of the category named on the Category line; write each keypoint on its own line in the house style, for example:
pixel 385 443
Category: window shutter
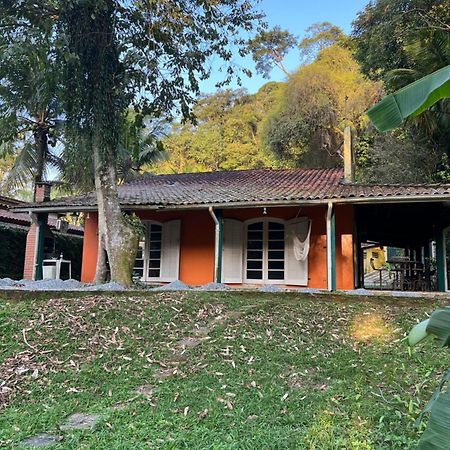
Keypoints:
pixel 232 251
pixel 296 271
pixel 170 254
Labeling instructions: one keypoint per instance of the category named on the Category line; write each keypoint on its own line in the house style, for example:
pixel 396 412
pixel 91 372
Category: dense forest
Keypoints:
pixel 295 123
pixel 300 122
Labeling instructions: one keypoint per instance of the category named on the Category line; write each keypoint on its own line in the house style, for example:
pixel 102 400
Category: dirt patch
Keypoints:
pixel 163 374
pixel 188 342
pixel 146 390
pixel 369 327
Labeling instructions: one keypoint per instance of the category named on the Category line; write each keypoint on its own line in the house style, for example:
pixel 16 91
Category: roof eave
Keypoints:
pixel 250 204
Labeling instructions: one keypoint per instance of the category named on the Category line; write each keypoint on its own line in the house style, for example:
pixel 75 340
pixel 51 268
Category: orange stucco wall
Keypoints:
pixel 197 242
pixel 90 248
pixel 344 247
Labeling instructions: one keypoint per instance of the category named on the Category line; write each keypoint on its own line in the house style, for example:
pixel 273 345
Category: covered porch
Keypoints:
pixel 412 238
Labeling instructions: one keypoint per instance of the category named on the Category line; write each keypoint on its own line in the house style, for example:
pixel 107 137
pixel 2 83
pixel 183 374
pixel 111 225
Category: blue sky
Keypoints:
pixel 295 16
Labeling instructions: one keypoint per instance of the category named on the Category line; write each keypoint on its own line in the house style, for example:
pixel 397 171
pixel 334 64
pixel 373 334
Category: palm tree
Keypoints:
pixel 140 144
pixel 29 123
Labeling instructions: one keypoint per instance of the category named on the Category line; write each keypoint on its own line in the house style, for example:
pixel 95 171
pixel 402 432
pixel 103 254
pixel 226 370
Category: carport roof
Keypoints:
pixel 248 188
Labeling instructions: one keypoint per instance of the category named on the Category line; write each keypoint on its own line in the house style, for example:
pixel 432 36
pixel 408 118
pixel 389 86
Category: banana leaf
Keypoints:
pixel 411 100
pixel 437 434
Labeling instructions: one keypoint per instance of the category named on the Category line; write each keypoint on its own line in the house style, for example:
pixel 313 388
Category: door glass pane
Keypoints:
pixel 254 254
pixel 254 274
pixel 255 245
pixel 256 226
pixel 276 265
pixel 154 245
pixel 276 254
pixel 275 245
pixel 254 265
pixel 276 275
pixel 276 226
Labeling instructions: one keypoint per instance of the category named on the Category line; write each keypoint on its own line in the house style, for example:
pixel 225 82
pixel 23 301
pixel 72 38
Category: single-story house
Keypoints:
pixel 294 227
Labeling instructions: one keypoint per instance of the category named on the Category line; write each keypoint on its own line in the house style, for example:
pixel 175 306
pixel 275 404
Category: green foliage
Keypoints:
pixel 389 33
pixel 135 223
pixel 401 41
pixel 396 157
pixel 319 100
pixel 411 100
pixel 29 118
pixel 225 136
pixel 140 144
pixel 437 434
pixel 269 48
pixel 12 251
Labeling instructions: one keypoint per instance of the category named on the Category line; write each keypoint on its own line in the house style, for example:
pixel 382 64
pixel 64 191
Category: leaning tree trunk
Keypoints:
pixel 117 239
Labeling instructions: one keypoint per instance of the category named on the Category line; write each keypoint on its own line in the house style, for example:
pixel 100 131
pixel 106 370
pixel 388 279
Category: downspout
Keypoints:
pixel 217 244
pixel 331 248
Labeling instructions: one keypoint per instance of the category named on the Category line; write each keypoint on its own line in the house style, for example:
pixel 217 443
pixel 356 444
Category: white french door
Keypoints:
pixel 148 259
pixel 265 251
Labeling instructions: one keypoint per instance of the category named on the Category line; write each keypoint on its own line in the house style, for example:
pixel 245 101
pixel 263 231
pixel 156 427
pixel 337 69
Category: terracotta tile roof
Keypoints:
pixel 23 219
pixel 248 187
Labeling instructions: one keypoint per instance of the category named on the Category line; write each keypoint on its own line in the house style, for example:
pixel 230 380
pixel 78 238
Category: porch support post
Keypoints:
pixel 40 236
pixel 217 216
pixel 331 248
pixel 440 262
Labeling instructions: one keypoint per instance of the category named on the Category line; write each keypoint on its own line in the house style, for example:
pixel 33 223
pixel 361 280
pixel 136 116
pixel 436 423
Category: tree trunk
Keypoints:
pixel 101 268
pixel 41 143
pixel 116 236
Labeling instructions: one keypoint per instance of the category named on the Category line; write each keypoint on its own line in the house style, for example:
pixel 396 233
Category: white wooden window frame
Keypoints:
pixel 146 252
pixel 265 279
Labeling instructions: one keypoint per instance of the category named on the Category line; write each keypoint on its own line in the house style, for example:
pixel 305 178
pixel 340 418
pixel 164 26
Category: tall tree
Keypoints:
pixel 117 54
pixel 269 49
pixel 412 35
pixel 319 100
pixel 140 144
pixel 319 36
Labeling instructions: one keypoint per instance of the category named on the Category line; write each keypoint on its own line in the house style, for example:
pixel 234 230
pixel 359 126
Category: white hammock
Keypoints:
pixel 301 248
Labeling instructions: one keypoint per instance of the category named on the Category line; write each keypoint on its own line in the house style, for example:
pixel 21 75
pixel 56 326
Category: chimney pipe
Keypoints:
pixel 42 191
pixel 349 159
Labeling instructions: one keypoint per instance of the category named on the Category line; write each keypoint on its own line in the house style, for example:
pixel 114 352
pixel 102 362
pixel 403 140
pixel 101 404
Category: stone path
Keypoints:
pixel 42 440
pixel 80 421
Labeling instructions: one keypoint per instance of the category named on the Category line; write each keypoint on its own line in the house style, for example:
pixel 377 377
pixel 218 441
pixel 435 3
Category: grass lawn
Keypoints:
pixel 215 371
